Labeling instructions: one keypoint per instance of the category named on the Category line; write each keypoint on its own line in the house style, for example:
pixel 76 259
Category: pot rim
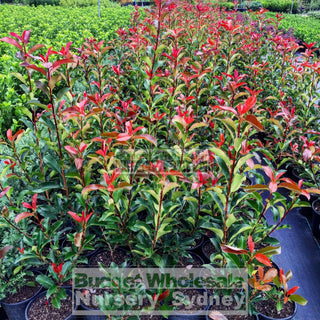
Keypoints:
pixel 286 318
pixel 26 300
pixel 69 292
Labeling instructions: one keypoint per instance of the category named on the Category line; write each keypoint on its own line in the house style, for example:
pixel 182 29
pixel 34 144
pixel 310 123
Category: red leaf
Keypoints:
pixel 27 205
pixel 269 172
pixel 34 201
pixel 227 109
pixel 229 249
pixel 4 250
pixel 26 36
pixel 163 295
pixel 250 102
pixel 273 187
pixel 263 259
pixel 17 134
pixel 15 35
pixel 292 290
pixel 58 63
pixel 123 137
pixel 78 162
pixel 22 215
pixel 250 244
pixel 4 192
pixel 72 150
pixel 92 187
pixel 35 48
pixel 147 137
pixel 34 67
pixel 11 41
pixel 254 121
pixel 75 216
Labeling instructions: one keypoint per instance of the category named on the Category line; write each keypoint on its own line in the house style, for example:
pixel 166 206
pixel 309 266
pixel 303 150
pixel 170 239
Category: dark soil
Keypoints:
pixel 194 262
pixel 106 258
pixel 190 294
pixel 90 294
pixel 269 308
pixel 40 311
pixel 247 182
pixel 24 292
pixel 209 249
pixel 146 304
pixel 210 234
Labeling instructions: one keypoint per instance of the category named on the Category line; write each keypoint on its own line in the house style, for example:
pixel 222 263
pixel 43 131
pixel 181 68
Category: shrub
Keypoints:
pixel 280 5
pixel 87 3
pixel 314 14
pixel 43 2
pixel 223 4
pixel 255 5
pixel 305 28
pixel 67 26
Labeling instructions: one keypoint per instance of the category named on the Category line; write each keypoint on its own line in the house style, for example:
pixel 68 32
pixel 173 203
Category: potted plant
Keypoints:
pixel 18 285
pixel 279 302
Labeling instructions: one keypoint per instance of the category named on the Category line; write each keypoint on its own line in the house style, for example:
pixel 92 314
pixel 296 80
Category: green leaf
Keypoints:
pixel 144 227
pixel 221 154
pixel 164 228
pixel 236 182
pixel 243 229
pixel 270 251
pixel 217 231
pixel 17 269
pixel 231 219
pixel 298 299
pixel 52 290
pixel 42 187
pixel 242 161
pixel 45 281
pixel 223 166
pixel 169 187
pixel 52 163
pixel 56 302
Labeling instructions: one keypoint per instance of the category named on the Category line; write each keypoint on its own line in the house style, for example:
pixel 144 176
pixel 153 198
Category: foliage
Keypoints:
pixel 225 4
pixel 147 141
pixel 255 5
pixel 67 26
pixel 304 27
pixel 280 5
pixel 85 3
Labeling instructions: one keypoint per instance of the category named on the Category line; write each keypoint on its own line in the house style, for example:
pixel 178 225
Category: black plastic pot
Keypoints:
pixel 315 224
pixel 264 317
pixel 70 317
pixel 16 311
pixel 241 9
pixel 198 248
pixel 197 315
pixel 91 317
pixel 206 258
pixel 3 315
pixel 308 211
pixel 208 318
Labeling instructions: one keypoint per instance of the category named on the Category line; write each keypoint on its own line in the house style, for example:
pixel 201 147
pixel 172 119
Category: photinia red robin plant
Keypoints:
pixel 149 141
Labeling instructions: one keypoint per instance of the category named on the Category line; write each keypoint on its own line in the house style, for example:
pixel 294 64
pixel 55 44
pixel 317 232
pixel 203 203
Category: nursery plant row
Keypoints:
pixel 52 26
pixel 303 27
pixel 132 151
